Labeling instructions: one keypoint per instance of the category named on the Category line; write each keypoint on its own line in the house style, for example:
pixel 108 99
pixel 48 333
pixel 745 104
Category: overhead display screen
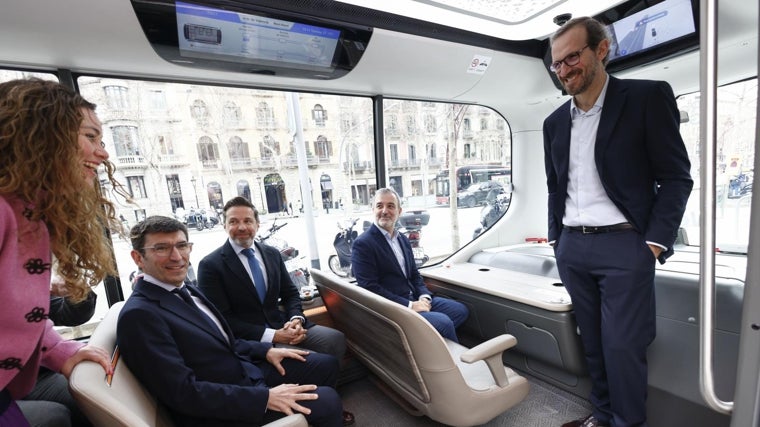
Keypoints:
pixel 651 27
pixel 217 34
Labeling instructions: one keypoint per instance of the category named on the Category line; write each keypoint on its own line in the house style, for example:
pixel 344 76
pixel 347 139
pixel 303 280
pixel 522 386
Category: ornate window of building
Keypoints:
pixel 238 150
pixel 231 115
pixel 269 148
pixel 199 112
pixel 430 123
pixel 264 116
pixel 483 123
pixel 136 186
pixel 319 114
pixel 156 100
pixel 391 128
pixel 125 140
pixel 411 125
pixel 117 97
pixel 208 152
pixel 322 148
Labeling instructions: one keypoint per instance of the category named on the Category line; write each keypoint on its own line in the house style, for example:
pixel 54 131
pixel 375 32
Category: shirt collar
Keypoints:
pixel 385 232
pixel 167 286
pixel 237 248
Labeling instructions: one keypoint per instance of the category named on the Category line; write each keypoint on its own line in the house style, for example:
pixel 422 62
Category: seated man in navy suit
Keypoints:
pixel 182 350
pixel 251 305
pixel 383 262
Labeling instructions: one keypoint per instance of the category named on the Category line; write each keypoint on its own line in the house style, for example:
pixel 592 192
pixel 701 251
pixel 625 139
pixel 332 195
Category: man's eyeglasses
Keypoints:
pixel 570 60
pixel 163 250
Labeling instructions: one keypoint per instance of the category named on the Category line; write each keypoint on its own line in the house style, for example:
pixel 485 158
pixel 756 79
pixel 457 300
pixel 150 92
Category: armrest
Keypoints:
pixel 490 352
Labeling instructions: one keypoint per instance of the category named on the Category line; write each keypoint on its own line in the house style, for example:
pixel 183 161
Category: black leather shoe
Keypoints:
pixel 589 421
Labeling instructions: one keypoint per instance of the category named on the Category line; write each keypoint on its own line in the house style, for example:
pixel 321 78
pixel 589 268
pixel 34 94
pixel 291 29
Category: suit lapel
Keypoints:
pixel 385 247
pixel 611 111
pixel 176 306
pixel 234 265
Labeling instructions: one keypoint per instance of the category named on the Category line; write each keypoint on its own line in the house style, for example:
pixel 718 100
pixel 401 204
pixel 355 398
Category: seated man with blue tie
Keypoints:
pixel 181 349
pixel 382 261
pixel 248 282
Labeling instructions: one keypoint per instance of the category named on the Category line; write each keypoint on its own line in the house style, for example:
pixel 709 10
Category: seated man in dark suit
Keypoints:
pixel 382 261
pixel 181 349
pixel 227 277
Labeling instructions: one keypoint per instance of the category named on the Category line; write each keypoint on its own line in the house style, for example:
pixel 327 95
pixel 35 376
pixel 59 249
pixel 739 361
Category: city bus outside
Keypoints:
pixel 466 176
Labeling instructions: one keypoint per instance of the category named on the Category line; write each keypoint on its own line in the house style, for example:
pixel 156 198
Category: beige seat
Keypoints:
pixel 436 377
pixel 125 402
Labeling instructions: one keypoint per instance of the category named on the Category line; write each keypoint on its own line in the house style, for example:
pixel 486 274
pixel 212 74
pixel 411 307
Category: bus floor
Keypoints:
pixel 545 405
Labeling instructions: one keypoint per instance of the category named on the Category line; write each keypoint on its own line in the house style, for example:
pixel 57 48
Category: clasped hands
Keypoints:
pixel 422 304
pixel 291 333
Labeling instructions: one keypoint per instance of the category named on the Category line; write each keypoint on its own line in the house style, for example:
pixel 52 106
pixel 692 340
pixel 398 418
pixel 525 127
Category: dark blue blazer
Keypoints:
pixel 640 156
pixel 375 267
pixel 224 280
pixel 187 363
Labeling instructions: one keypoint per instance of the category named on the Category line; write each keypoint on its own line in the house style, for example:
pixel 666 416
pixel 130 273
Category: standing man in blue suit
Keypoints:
pixel 618 177
pixel 383 262
pixel 182 350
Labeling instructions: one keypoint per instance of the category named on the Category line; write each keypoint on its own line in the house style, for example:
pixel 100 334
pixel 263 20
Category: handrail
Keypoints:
pixel 708 121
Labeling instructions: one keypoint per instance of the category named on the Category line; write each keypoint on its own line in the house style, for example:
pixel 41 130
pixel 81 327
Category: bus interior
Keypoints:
pixel 307 107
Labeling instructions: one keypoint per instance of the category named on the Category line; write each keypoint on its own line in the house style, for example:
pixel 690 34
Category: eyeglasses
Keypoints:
pixel 570 60
pixel 163 250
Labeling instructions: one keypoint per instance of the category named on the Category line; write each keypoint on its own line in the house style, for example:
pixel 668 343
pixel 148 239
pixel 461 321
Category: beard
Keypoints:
pixel 586 79
pixel 244 241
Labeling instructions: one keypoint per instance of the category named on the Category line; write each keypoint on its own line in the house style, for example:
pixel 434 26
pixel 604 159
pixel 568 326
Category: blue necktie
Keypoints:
pixel 258 275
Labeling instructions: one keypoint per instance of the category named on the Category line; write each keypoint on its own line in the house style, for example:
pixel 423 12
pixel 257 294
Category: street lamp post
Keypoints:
pixel 193 181
pixel 261 192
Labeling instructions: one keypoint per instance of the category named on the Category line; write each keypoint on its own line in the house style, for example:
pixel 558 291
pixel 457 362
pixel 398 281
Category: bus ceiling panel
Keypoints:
pixel 504 19
pixel 408 66
pixel 505 84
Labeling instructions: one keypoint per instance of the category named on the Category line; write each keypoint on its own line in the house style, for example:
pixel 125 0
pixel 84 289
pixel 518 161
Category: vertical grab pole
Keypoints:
pixel 708 67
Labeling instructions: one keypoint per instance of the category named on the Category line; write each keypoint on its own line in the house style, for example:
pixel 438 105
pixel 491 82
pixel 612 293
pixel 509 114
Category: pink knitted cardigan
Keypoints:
pixel 27 337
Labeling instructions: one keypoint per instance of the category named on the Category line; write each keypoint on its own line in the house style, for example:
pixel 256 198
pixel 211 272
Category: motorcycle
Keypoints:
pixel 412 223
pixel 340 264
pixel 200 219
pixel 493 210
pixel 299 275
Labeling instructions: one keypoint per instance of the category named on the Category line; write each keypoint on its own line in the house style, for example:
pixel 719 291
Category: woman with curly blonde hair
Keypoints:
pixel 50 150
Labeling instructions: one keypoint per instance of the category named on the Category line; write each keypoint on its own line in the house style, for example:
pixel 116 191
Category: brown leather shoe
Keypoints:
pixel 348 418
pixel 589 421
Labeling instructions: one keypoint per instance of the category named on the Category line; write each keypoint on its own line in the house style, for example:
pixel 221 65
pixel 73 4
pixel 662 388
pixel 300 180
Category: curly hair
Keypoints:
pixel 40 162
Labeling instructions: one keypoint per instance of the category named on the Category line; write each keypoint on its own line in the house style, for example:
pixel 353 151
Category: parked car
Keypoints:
pixel 476 194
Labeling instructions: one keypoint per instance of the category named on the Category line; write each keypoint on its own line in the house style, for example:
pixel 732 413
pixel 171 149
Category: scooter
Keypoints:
pixel 491 212
pixel 200 220
pixel 412 223
pixel 299 275
pixel 340 264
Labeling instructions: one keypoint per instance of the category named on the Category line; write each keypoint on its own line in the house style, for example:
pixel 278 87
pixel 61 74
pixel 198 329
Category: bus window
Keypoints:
pixel 735 157
pixel 184 150
pixel 424 141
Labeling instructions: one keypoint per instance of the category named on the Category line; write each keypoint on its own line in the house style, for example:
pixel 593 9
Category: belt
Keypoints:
pixel 597 229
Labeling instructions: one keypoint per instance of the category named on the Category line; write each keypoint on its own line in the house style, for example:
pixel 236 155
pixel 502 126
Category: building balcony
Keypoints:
pixel 172 160
pixel 131 162
pixel 241 163
pixel 358 166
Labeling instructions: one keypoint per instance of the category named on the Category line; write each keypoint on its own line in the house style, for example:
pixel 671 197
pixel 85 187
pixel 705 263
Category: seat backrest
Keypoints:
pixel 410 356
pixel 125 402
